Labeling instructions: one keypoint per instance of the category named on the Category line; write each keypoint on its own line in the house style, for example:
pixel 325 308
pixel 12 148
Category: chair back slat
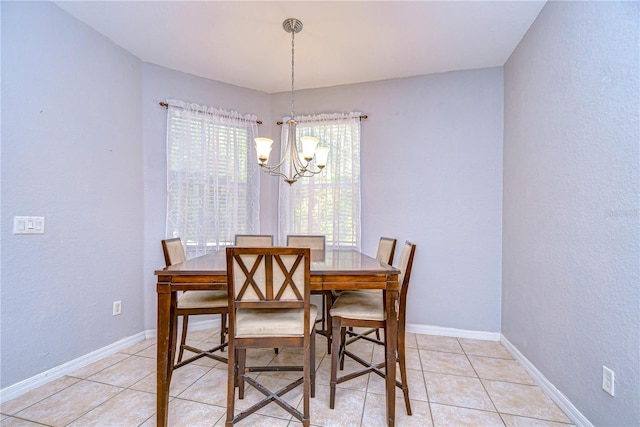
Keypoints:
pixel 173 251
pixel 405 265
pixel 254 240
pixel 317 244
pixel 386 250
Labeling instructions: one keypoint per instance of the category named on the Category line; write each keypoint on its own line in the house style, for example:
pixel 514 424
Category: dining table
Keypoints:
pixel 334 270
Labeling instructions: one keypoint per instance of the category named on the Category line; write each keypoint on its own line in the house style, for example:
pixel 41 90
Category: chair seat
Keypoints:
pixel 203 299
pixel 281 322
pixel 359 305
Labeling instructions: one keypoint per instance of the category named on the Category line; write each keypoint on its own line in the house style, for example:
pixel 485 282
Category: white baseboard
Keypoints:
pixel 556 395
pixel 452 332
pixel 36 381
pixel 29 384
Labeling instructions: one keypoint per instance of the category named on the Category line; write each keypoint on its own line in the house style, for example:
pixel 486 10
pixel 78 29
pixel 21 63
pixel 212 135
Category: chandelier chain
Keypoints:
pixel 293 36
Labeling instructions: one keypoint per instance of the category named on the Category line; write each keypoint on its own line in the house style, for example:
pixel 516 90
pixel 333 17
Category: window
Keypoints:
pixel 212 177
pixel 327 203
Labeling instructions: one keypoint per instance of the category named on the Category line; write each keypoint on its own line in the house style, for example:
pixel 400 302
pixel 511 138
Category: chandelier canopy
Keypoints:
pixel 298 164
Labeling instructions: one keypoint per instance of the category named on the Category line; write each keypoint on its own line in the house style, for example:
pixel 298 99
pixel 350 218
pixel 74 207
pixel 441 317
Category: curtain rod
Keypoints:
pixel 165 105
pixel 362 117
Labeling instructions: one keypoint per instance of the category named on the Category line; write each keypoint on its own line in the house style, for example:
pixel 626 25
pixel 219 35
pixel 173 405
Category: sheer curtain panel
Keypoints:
pixel 213 178
pixel 327 203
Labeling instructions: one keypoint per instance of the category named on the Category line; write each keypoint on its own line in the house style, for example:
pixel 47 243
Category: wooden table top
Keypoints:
pixel 335 262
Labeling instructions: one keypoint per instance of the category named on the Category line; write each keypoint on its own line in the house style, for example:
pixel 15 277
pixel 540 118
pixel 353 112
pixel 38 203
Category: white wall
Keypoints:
pixel 72 152
pixel 432 174
pixel 85 124
pixel 571 299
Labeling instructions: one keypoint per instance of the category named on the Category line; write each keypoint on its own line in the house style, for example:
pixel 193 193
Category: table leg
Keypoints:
pixel 391 338
pixel 165 350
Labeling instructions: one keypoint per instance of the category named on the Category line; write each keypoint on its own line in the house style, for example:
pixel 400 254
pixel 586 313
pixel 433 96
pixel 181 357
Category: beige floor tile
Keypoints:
pixel 347 412
pixel 99 365
pixel 36 395
pixel 17 422
pixel 253 396
pixel 515 421
pixel 150 352
pixel 454 416
pixel 484 348
pixel 181 379
pixel 202 335
pixel 508 370
pixel 211 388
pixel 446 363
pixel 257 420
pixel 126 373
pixel 442 368
pixel 456 390
pixel 375 412
pixel 417 390
pixel 525 400
pixel 412 357
pixel 410 340
pixel 67 405
pixel 139 346
pixel 323 375
pixel 129 408
pixel 438 343
pixel 185 413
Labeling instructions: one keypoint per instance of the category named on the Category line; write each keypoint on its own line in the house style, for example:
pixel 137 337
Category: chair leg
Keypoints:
pixel 223 328
pixel 335 344
pixel 328 317
pixel 231 379
pixel 312 351
pixel 343 340
pixel 306 379
pixel 403 372
pixel 183 339
pixel 242 360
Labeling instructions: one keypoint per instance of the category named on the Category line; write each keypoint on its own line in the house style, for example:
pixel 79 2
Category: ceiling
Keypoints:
pixel 243 43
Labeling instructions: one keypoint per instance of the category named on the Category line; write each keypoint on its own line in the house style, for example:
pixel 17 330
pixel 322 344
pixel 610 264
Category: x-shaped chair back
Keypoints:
pixel 268 277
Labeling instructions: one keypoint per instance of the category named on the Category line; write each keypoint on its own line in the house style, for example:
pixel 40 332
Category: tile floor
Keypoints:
pixel 453 382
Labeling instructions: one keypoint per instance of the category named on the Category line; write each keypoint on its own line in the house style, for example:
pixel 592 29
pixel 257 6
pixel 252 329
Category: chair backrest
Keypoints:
pixel 313 242
pixel 317 244
pixel 386 250
pixel 173 251
pixel 254 240
pixel 269 278
pixel 406 262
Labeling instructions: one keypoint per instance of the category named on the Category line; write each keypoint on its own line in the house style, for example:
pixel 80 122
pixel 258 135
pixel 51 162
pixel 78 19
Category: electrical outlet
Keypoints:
pixel 608 380
pixel 117 307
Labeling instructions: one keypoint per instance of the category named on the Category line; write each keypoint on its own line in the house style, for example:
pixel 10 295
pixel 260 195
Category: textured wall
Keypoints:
pixel 431 173
pixel 571 298
pixel 71 152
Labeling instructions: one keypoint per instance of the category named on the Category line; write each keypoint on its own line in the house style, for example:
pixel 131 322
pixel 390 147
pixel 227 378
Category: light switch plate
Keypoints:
pixel 28 225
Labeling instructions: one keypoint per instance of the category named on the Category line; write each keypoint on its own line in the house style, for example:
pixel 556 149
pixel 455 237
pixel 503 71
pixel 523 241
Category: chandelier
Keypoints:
pixel 298 164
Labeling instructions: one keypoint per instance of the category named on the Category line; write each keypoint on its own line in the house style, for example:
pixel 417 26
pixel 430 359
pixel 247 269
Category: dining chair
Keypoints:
pixel 366 309
pixel 195 303
pixel 269 305
pixel 254 240
pixel 386 250
pixel 317 244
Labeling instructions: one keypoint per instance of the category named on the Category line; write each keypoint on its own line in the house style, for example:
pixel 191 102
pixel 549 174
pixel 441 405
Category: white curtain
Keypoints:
pixel 213 178
pixel 327 203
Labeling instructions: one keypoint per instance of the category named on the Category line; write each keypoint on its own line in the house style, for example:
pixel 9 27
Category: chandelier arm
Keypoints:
pixel 298 167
